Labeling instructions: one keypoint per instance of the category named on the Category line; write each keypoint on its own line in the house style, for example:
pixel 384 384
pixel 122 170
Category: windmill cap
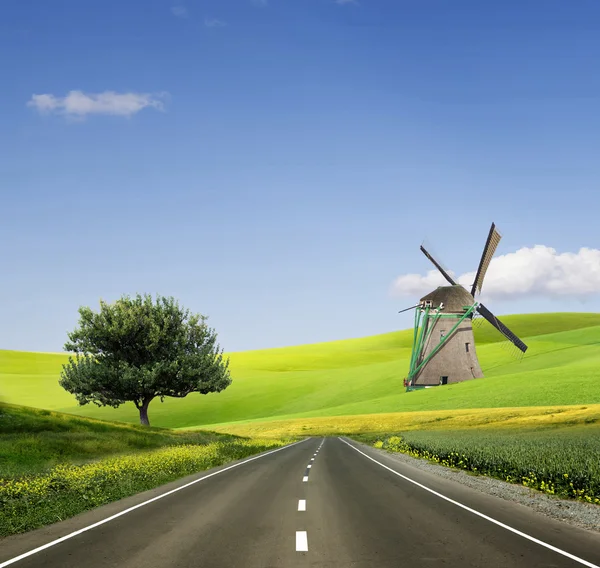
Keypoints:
pixel 454 298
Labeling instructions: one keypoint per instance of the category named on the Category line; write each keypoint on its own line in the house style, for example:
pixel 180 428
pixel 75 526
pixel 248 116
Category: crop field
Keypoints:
pixel 351 377
pixel 558 461
pixel 539 417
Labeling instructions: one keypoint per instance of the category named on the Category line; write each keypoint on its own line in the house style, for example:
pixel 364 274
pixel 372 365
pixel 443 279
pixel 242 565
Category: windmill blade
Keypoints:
pixel 411 308
pixel 437 265
pixel 489 316
pixel 488 252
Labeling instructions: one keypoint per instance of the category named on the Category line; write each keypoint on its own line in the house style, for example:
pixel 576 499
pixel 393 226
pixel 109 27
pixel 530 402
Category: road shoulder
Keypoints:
pixel 576 514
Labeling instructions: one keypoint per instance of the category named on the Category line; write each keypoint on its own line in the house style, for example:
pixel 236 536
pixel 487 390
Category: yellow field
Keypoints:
pixel 529 417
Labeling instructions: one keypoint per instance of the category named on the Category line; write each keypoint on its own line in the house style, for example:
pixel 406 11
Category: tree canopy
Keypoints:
pixel 137 349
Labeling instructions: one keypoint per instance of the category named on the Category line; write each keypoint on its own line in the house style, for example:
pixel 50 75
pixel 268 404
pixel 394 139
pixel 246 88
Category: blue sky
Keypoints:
pixel 297 153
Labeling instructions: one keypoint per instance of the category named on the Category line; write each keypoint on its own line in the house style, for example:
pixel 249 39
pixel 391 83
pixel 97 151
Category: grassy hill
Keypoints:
pixel 32 441
pixel 54 466
pixel 355 376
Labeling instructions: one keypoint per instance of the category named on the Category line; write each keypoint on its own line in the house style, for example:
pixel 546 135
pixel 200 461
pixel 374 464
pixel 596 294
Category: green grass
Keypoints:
pixel 33 441
pixel 54 466
pixel 558 461
pixel 349 377
pixel 65 491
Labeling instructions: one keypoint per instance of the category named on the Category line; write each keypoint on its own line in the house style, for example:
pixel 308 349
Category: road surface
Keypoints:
pixel 321 503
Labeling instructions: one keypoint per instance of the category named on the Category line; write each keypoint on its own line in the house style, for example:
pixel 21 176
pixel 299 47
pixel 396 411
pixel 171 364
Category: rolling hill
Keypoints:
pixel 353 376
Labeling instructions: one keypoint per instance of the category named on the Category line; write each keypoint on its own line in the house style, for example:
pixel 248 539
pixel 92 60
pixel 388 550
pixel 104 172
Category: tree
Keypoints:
pixel 137 350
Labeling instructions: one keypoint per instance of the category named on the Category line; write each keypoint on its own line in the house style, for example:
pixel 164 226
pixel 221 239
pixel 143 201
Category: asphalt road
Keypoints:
pixel 346 510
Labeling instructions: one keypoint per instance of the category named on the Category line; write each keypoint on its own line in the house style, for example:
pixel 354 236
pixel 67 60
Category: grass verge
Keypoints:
pixel 32 441
pixel 560 461
pixel 54 466
pixel 68 490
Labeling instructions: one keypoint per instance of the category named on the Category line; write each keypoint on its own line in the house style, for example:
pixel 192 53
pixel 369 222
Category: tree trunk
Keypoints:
pixel 143 408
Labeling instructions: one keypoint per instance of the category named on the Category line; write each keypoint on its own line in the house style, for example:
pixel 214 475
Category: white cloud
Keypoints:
pixel 78 104
pixel 539 271
pixel 179 11
pixel 214 23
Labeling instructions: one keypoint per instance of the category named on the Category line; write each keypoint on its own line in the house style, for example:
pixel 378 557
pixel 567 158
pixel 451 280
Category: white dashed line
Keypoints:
pixel 302 505
pixel 312 459
pixel 305 478
pixel 301 541
pixel 309 465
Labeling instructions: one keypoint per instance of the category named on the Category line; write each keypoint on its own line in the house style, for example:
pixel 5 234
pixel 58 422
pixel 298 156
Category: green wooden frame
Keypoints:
pixel 424 325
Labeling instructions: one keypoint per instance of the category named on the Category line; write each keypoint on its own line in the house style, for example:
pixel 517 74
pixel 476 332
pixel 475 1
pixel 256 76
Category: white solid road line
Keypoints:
pixel 112 517
pixel 301 541
pixel 508 528
pixel 305 478
pixel 302 505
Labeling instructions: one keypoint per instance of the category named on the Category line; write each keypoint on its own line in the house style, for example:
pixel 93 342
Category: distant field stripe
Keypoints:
pixel 112 517
pixel 302 505
pixel 483 516
pixel 301 541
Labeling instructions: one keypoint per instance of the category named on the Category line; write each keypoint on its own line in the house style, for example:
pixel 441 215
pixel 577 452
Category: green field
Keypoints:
pixel 350 377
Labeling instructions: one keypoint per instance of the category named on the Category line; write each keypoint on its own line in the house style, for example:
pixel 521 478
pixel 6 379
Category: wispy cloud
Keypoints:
pixel 179 11
pixel 214 23
pixel 77 104
pixel 537 271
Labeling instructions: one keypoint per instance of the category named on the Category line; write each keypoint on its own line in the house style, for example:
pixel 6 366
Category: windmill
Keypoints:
pixel 443 342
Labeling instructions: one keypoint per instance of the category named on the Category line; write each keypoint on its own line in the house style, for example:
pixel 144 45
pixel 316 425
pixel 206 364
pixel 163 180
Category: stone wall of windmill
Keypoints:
pixel 457 358
pixel 456 361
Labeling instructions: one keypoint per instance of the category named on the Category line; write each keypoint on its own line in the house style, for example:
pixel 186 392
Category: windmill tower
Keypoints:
pixel 443 342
